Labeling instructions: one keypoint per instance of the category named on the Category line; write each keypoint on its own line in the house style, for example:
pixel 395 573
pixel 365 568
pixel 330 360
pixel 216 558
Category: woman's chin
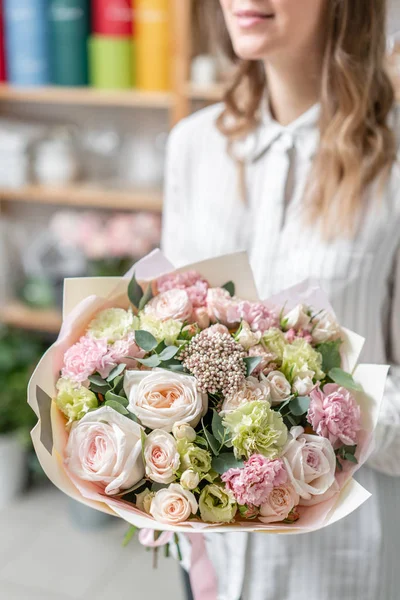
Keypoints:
pixel 253 49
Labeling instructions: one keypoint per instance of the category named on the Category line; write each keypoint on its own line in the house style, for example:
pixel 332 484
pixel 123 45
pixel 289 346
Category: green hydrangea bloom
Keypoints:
pixel 74 400
pixel 217 504
pixel 193 457
pixel 275 341
pixel 167 331
pixel 113 324
pixel 256 428
pixel 299 357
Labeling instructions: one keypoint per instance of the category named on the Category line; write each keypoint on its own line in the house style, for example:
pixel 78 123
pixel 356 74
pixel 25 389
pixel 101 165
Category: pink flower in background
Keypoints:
pixel 192 282
pixel 334 414
pixel 148 226
pixel 119 234
pixel 174 304
pixel 258 316
pixel 84 358
pixel 253 483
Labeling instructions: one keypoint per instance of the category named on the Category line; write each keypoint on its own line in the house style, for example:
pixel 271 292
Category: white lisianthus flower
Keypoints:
pixel 297 318
pixel 161 456
pixel 104 447
pixel 173 505
pixel 161 398
pixel 325 329
pixel 246 337
pixel 280 388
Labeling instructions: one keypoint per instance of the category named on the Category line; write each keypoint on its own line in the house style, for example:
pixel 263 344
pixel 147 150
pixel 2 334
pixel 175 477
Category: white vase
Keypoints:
pixel 12 468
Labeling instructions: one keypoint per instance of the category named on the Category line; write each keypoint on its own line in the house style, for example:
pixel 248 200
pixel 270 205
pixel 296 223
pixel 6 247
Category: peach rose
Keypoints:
pixel 174 304
pixel 161 456
pixel 281 500
pixel 173 505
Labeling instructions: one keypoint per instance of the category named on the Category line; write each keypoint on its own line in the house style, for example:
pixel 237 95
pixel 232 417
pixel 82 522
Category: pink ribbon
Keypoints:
pixel 202 575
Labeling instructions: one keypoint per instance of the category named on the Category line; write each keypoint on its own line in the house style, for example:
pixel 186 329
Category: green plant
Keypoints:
pixel 19 353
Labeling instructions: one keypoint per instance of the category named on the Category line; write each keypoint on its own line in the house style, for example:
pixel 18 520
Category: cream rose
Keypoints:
pixel 190 479
pixel 246 337
pixel 144 500
pixel 303 383
pixel 104 447
pixel 281 500
pixel 310 462
pixel 183 431
pixel 325 328
pixel 279 386
pixel 252 390
pixel 160 398
pixel 173 505
pixel 161 456
pixel 173 304
pixel 297 318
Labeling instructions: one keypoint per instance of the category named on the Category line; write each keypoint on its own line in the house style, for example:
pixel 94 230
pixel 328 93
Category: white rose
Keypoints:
pixel 279 386
pixel 183 431
pixel 330 492
pixel 303 383
pixel 281 500
pixel 173 304
pixel 161 456
pixel 326 328
pixel 246 337
pixel 173 505
pixel 105 447
pixel 251 391
pixel 190 480
pixel 297 318
pixel 144 500
pixel 310 462
pixel 160 398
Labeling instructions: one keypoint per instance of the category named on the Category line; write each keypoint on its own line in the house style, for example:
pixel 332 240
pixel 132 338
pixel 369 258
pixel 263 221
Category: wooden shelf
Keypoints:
pixel 86 96
pixel 85 195
pixel 17 314
pixel 212 93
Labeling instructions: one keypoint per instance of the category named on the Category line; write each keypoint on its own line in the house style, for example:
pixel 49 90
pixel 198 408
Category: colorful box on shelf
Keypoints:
pixel 26 28
pixel 111 62
pixel 69 24
pixel 152 39
pixel 112 17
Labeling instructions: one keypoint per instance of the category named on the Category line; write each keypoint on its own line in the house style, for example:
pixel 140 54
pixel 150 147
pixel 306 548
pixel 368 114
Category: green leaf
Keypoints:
pixel 212 442
pixel 168 353
pixel 351 458
pixel 299 406
pixel 145 340
pixel 133 417
pixel 174 368
pixel 251 363
pixel 147 296
pixel 330 352
pixel 217 428
pixel 229 286
pixel 344 379
pixel 152 361
pixel 111 397
pixel 129 535
pixel 135 292
pixel 99 381
pixel 116 371
pixel 118 384
pixel 143 441
pixel 226 461
pixel 117 406
pixel 200 441
pixel 98 389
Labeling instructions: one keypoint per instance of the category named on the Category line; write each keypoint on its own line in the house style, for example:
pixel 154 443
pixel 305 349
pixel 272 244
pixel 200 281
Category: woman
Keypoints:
pixel 309 125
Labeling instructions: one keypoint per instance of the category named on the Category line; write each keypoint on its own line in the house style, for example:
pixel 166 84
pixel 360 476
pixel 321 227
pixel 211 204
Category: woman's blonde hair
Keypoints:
pixel 356 143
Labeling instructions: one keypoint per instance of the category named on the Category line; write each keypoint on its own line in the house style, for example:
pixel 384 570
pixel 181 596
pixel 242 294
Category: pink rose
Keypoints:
pixel 105 448
pixel 222 308
pixel 173 304
pixel 335 414
pixel 84 358
pixel 173 505
pixel 253 483
pixel 217 328
pixel 192 282
pixel 280 502
pixel 161 456
pixel 200 316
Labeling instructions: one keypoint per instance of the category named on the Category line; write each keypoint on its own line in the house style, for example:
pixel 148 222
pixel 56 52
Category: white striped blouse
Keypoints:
pixel 357 558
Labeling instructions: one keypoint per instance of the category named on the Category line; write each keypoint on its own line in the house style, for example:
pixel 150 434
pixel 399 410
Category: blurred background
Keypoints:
pixel 89 91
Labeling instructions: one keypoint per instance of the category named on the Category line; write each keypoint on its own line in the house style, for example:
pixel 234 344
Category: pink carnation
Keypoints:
pixel 192 282
pixel 258 316
pixel 292 334
pixel 121 349
pixel 334 414
pixel 252 484
pixel 84 358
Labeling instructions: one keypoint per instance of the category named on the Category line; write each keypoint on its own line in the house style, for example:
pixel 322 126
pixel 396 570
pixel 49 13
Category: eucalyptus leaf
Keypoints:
pixel 299 406
pixel 97 389
pixel 226 461
pixel 344 379
pixel 116 372
pixel 217 428
pixel 152 361
pixel 168 353
pixel 99 381
pixel 117 406
pixel 229 286
pixel 110 396
pixel 200 441
pixel 212 442
pixel 118 384
pixel 330 352
pixel 147 296
pixel 145 340
pixel 135 292
pixel 251 363
pixel 351 458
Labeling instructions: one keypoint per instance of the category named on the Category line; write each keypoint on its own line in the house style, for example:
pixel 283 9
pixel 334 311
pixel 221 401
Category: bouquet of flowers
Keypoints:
pixel 178 401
